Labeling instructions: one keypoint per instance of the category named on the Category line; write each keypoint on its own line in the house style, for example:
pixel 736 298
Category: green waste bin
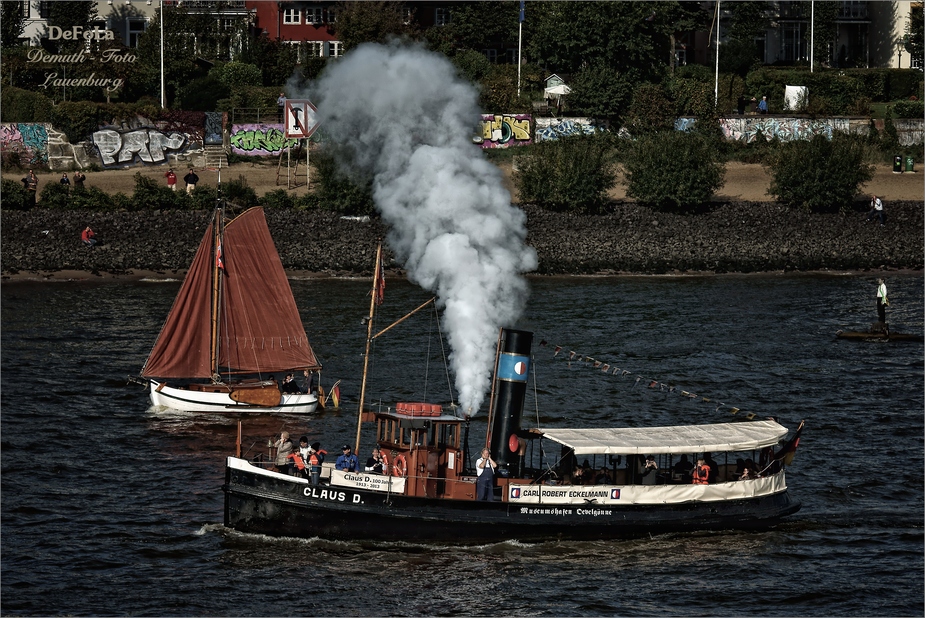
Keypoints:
pixel 898 164
pixel 910 163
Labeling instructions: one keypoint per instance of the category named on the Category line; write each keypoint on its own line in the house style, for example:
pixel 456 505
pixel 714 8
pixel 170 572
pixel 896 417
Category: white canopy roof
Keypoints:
pixel 558 90
pixel 743 436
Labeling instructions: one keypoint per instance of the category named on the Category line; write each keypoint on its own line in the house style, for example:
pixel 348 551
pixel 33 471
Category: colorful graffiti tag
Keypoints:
pixel 28 141
pixel 259 140
pixel 147 144
pixel 553 128
pixel 785 129
pixel 504 130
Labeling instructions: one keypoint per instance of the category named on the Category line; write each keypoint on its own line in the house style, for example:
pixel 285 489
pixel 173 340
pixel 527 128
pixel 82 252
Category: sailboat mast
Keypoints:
pixel 369 339
pixel 216 292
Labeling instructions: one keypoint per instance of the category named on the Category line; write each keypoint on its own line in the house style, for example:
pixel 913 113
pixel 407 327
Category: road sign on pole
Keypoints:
pixel 301 118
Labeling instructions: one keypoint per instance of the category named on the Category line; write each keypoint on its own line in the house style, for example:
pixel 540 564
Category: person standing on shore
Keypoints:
pixel 65 181
pixel 882 301
pixel 280 104
pixel 763 106
pixel 190 179
pixel 79 179
pixel 171 180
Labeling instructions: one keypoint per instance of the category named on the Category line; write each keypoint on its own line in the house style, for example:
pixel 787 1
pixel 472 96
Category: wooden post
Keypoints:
pixel 237 450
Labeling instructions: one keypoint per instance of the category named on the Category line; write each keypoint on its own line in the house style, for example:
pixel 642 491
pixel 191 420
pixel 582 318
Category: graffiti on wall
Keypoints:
pixel 28 141
pixel 259 140
pixel 785 129
pixel 149 145
pixel 504 130
pixel 554 128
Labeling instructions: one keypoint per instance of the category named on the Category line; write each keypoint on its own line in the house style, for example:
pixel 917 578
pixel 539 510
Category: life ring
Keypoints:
pixel 400 466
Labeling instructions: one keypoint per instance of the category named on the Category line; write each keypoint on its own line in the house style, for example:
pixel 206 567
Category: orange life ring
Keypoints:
pixel 400 466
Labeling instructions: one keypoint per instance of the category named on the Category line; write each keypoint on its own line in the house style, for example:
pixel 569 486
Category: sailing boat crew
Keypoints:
pixel 485 484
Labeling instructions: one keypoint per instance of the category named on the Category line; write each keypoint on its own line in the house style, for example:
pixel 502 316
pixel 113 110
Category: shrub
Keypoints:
pixel 15 196
pixel 337 191
pixel 568 174
pixel 820 174
pixel 909 109
pixel 674 170
pixel 202 198
pixel 76 119
pixel 149 195
pixel 239 193
pixel 20 105
pixel 280 198
pixel 91 198
pixel 54 196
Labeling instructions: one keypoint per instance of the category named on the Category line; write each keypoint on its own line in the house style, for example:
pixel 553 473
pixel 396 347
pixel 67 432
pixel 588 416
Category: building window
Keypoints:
pixel 337 49
pixel 332 16
pixel 136 27
pixel 24 8
pixel 313 16
pixel 491 54
pixel 510 56
pixel 406 15
pixel 442 16
pixel 297 45
pixel 314 49
pixel 292 16
pixel 793 42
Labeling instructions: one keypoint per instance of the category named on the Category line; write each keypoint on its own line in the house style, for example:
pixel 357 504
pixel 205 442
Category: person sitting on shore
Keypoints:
pixel 88 237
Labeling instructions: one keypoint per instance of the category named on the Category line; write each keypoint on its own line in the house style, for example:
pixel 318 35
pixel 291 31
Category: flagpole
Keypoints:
pixel 716 82
pixel 812 18
pixel 163 94
pixel 520 32
pixel 369 339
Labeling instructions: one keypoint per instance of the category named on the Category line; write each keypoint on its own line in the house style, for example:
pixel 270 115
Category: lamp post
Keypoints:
pixel 163 94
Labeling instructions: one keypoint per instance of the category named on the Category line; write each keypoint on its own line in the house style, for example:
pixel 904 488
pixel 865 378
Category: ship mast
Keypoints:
pixel 373 297
pixel 216 292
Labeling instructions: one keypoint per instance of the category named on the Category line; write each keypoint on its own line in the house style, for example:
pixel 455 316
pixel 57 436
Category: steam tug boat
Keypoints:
pixel 428 491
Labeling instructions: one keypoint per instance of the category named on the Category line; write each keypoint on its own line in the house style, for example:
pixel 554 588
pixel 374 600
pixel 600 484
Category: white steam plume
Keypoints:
pixel 408 122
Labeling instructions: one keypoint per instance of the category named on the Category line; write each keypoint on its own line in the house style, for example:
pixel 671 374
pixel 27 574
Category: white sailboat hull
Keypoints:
pixel 196 401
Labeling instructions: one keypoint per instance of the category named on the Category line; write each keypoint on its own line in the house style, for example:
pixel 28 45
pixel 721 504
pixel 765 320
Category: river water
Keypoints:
pixel 112 508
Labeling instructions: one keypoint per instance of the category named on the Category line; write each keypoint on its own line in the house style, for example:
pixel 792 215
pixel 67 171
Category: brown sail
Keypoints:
pixel 259 328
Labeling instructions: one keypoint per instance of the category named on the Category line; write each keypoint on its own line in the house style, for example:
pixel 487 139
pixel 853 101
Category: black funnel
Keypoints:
pixel 510 387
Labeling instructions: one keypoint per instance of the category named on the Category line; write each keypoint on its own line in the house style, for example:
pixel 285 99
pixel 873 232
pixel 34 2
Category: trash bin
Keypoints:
pixel 910 163
pixel 898 164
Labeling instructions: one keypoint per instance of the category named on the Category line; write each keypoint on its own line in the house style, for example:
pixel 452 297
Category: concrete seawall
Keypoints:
pixel 732 237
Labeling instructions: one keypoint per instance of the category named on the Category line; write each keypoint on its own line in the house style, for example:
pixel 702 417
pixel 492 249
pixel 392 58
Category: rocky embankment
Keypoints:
pixel 732 237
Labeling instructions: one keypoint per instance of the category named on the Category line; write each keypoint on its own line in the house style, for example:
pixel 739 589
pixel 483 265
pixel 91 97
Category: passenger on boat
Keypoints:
pixel 347 461
pixel 283 448
pixel 682 469
pixel 584 475
pixel 714 469
pixel 315 459
pixel 375 462
pixel 304 448
pixel 290 385
pixel 751 468
pixel 650 471
pixel 307 387
pixel 701 472
pixel 299 464
pixel 603 477
pixel 485 467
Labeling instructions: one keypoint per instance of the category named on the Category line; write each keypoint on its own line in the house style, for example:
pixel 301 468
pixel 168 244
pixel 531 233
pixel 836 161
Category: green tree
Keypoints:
pixel 366 22
pixel 12 24
pixel 914 38
pixel 820 174
pixel 600 92
pixel 568 174
pixel 66 15
pixel 825 29
pixel 673 170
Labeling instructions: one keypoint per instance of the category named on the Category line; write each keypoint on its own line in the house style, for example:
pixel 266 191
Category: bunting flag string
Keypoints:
pixel 650 383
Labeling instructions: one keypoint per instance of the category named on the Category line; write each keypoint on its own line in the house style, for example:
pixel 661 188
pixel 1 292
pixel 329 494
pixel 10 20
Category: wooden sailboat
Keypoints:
pixel 426 490
pixel 234 317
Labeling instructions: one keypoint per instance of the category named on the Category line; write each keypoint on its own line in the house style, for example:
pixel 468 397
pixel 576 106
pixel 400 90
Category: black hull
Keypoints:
pixel 861 336
pixel 263 504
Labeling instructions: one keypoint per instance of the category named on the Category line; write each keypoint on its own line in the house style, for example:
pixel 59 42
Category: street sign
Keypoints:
pixel 301 118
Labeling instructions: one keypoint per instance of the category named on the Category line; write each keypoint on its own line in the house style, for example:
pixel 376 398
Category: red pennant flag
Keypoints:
pixel 605 368
pixel 597 364
pixel 652 384
pixel 218 257
pixel 380 285
pixel 558 348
